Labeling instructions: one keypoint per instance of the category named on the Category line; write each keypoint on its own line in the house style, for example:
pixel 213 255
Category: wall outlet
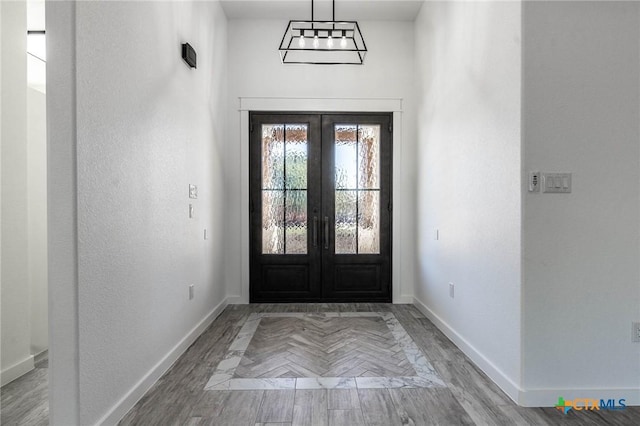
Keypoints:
pixel 191 292
pixel 193 191
pixel 635 337
pixel 451 290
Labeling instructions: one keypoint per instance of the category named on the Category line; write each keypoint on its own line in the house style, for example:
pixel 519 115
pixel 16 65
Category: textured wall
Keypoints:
pixel 581 110
pixel 147 126
pixel 468 124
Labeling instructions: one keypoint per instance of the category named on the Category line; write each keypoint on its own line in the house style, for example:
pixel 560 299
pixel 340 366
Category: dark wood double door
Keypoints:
pixel 320 207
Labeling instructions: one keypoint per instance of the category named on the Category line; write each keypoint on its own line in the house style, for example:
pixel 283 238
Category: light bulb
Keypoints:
pixel 330 42
pixel 301 41
pixel 343 42
pixel 316 42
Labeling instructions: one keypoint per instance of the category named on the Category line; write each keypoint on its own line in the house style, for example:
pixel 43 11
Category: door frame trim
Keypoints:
pixel 402 292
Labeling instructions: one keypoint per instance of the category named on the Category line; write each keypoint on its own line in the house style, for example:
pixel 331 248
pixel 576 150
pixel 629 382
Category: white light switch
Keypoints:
pixel 559 183
pixel 191 211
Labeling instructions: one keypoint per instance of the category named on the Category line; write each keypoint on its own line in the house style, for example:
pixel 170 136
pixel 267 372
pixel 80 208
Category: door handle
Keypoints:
pixel 326 233
pixel 315 231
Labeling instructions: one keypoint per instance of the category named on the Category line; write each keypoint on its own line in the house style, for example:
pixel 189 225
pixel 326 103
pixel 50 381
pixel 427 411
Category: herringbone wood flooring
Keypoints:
pixel 323 347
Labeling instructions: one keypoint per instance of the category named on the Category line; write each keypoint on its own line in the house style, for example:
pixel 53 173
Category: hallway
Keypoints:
pixel 270 353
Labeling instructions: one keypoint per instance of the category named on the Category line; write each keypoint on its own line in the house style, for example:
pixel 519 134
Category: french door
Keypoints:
pixel 320 207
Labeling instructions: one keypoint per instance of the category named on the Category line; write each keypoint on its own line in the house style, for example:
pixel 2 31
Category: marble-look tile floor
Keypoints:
pixel 332 350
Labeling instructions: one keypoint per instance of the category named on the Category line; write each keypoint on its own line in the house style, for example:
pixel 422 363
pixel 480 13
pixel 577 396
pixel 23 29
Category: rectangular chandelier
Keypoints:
pixel 323 42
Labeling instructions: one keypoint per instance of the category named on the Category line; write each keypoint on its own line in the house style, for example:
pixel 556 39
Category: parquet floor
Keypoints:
pixel 323 347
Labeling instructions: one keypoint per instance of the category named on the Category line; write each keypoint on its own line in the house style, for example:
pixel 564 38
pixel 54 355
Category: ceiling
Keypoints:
pixel 377 10
pixel 35 15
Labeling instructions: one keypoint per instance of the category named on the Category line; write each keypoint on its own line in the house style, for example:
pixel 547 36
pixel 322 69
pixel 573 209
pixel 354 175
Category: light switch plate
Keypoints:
pixel 556 183
pixel 193 191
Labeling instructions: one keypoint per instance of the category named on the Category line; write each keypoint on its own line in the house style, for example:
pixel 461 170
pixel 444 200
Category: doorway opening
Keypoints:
pixel 320 207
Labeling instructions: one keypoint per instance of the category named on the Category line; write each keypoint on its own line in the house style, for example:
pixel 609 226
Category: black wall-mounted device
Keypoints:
pixel 189 55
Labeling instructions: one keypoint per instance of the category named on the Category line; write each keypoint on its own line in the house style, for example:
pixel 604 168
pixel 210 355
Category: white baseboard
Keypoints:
pixel 9 374
pixel 237 300
pixel 524 397
pixel 403 300
pixel 119 410
pixel 499 378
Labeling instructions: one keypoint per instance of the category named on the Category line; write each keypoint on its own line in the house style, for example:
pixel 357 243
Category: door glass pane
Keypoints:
pixel 369 222
pixel 357 189
pixel 369 156
pixel 284 188
pixel 346 222
pixel 346 154
pixel 273 156
pixel 296 156
pixel 272 222
pixel 296 222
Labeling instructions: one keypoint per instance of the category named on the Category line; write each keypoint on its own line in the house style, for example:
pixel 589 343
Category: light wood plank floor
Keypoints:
pixel 179 398
pixel 469 396
pixel 25 400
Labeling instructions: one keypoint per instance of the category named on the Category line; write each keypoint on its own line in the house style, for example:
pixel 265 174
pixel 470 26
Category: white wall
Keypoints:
pixel 468 124
pixel 62 215
pixel 147 127
pixel 255 71
pixel 24 276
pixel 15 334
pixel 581 289
pixel 37 219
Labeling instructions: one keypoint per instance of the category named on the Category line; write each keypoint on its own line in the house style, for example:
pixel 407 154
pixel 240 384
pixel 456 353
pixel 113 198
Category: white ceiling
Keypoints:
pixel 383 10
pixel 35 15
